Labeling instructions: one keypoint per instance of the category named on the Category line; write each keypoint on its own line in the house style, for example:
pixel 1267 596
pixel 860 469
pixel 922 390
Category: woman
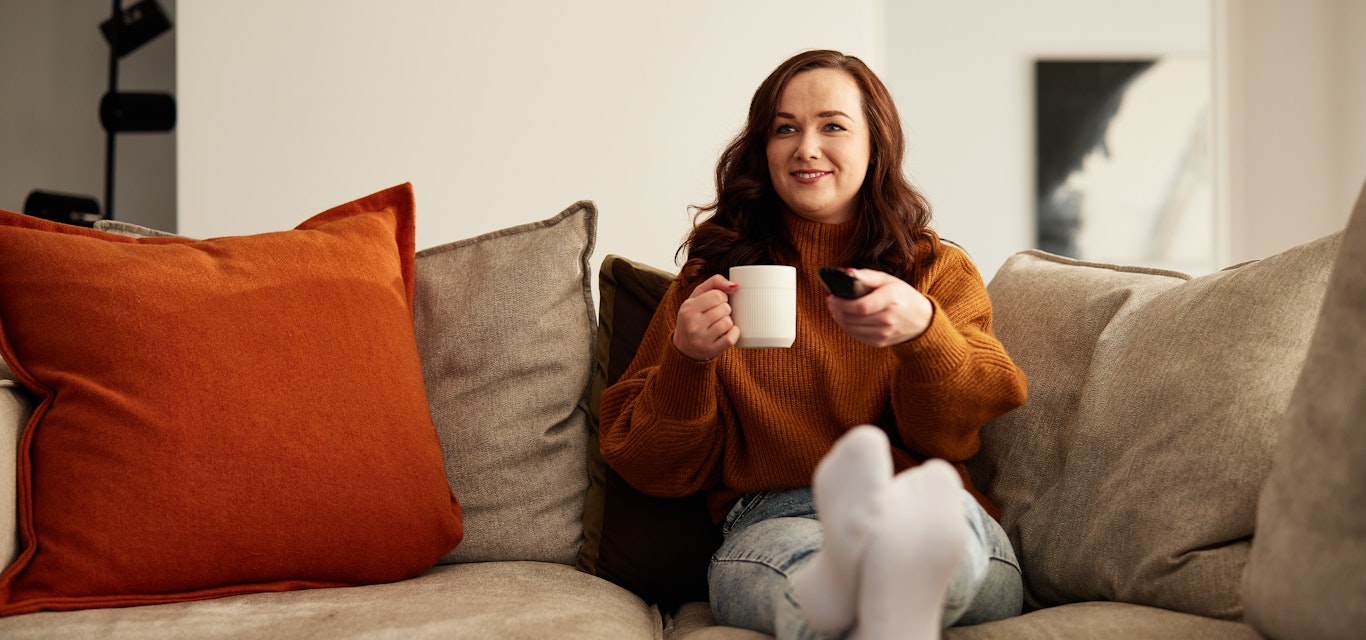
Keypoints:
pixel 815 178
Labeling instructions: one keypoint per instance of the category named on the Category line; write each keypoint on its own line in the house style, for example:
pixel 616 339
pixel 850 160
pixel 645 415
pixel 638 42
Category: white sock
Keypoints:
pixel 913 556
pixel 848 486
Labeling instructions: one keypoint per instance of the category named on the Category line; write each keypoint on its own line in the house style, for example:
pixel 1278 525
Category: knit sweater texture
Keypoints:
pixel 759 419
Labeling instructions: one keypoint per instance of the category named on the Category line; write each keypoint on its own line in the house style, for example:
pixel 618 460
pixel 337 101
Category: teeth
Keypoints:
pixel 807 176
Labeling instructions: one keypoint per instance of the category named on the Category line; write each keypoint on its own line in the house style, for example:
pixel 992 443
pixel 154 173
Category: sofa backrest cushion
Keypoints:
pixel 505 327
pixel 223 416
pixel 1132 473
pixel 658 548
pixel 1306 579
pixel 1051 313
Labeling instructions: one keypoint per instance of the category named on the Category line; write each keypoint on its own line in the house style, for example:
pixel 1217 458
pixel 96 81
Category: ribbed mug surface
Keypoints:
pixel 765 305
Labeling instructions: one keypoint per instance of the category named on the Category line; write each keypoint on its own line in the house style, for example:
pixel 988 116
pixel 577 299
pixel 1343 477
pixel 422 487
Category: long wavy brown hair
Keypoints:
pixel 744 225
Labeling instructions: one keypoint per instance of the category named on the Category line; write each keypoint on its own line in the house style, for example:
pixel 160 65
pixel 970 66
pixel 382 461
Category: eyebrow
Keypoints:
pixel 823 114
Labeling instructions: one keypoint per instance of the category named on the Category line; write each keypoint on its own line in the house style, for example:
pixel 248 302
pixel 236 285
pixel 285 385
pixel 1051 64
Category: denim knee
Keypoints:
pixel 770 534
pixel 988 584
pixel 748 576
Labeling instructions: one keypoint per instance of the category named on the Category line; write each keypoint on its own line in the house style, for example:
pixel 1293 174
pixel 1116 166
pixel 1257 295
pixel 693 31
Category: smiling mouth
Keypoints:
pixel 809 175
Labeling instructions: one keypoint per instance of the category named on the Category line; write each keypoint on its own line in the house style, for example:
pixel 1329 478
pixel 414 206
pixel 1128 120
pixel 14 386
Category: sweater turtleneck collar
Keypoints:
pixel 818 242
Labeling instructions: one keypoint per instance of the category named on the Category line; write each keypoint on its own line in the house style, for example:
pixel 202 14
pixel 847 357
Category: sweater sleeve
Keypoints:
pixel 661 427
pixel 956 376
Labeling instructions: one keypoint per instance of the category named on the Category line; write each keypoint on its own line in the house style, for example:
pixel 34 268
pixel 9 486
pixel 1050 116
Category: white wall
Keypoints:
pixel 54 67
pixel 1293 74
pixel 1351 97
pixel 502 113
pixel 499 112
pixel 1296 139
pixel 962 76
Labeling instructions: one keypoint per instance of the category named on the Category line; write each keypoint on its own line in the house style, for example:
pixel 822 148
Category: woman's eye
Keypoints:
pixel 785 128
pixel 833 127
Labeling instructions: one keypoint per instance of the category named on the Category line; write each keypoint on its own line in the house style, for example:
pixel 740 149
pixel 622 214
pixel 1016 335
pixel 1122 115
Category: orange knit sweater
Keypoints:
pixel 755 419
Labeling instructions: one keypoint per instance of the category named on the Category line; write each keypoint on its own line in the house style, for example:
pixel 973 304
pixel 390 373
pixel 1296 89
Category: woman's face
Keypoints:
pixel 818 146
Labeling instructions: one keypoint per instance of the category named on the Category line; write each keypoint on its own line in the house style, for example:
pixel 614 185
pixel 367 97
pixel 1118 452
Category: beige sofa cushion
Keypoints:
pixel 14 412
pixel 1306 578
pixel 505 326
pixel 1132 473
pixel 694 621
pixel 1050 312
pixel 1105 620
pixel 504 600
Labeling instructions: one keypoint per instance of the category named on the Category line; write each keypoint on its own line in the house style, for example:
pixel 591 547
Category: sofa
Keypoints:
pixel 1184 467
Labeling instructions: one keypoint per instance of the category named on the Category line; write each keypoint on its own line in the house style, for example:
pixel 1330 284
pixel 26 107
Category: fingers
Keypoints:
pixel 874 278
pixel 892 313
pixel 877 329
pixel 883 295
pixel 717 282
pixel 704 328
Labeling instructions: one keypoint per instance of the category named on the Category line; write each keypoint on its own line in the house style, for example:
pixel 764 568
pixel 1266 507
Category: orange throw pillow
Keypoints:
pixel 220 417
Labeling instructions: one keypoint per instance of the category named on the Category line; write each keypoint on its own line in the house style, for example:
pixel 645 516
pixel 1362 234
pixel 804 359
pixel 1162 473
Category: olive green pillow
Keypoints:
pixel 656 547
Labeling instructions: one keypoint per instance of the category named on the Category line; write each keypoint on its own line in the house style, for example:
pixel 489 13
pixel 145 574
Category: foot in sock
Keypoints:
pixel 913 556
pixel 849 485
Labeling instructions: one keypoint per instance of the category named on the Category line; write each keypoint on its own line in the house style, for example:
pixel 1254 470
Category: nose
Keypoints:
pixel 808 147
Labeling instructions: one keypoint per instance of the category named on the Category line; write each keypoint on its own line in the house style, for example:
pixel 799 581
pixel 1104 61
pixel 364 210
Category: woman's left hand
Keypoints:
pixel 892 313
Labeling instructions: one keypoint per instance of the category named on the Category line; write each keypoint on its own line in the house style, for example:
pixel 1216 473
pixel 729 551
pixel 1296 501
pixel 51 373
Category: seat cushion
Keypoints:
pixel 694 621
pixel 1306 578
pixel 505 600
pixel 1081 621
pixel 1132 473
pixel 1111 620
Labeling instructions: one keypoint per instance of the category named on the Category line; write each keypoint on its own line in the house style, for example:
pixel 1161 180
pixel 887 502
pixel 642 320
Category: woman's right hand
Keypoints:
pixel 704 327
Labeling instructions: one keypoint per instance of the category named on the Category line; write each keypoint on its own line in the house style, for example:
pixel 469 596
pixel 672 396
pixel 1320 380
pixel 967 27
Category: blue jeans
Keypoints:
pixel 770 534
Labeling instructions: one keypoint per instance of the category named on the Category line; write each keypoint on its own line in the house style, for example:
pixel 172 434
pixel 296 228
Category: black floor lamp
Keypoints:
pixel 120 112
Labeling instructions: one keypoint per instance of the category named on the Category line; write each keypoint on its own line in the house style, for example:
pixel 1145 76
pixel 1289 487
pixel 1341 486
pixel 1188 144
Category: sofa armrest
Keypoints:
pixel 14 412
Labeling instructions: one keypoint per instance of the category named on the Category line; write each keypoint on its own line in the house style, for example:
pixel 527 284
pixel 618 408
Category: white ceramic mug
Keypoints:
pixel 765 305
